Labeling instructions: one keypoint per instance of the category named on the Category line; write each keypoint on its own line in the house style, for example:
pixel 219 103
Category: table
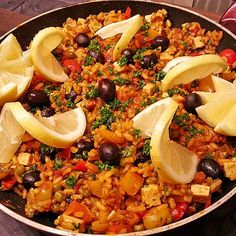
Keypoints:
pixel 221 222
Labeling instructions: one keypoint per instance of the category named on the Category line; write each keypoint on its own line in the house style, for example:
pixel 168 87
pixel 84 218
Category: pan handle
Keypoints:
pixel 228 19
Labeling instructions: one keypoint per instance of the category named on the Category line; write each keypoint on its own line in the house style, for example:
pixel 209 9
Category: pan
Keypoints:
pixel 11 203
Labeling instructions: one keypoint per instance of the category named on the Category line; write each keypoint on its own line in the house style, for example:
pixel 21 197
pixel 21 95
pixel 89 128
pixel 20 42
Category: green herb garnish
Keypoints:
pixel 93 92
pixel 58 164
pixel 70 182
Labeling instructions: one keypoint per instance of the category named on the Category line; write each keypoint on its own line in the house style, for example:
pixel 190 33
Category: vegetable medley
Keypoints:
pixel 92 90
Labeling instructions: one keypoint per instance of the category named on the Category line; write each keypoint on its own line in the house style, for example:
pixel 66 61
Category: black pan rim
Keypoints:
pixel 182 222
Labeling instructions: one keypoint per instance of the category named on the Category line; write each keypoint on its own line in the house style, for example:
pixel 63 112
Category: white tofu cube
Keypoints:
pixel 148 88
pixel 24 158
pixel 230 170
pixel 200 190
pixel 151 195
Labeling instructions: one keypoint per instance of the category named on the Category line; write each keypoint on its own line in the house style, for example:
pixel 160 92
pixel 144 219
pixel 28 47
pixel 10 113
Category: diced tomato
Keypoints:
pixel 229 54
pixel 183 206
pixel 178 212
pixel 141 214
pixel 207 204
pixel 8 182
pixel 75 208
pixel 72 65
pixel 81 166
pixel 127 13
pixel 65 154
pixel 194 54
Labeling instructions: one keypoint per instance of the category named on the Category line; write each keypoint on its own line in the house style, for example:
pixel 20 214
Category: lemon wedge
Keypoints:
pixel 16 70
pixel 10 49
pixel 215 111
pixel 196 68
pixel 175 163
pixel 14 85
pixel 59 130
pixel 169 65
pixel 228 125
pixel 116 28
pixel 147 119
pixel 43 60
pixel 128 28
pixel 127 35
pixel 221 85
pixel 11 134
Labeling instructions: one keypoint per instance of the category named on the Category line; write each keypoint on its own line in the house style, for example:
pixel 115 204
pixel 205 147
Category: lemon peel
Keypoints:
pixel 43 60
pixel 173 162
pixel 196 68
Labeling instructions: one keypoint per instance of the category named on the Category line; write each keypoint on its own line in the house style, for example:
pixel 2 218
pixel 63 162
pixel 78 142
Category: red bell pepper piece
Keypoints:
pixel 81 166
pixel 72 65
pixel 178 212
pixel 76 208
pixel 229 54
pixel 127 13
pixel 8 182
pixel 65 154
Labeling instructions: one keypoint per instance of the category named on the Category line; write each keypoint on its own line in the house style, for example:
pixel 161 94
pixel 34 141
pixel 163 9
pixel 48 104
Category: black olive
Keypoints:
pixel 161 41
pixel 192 101
pixel 210 168
pixel 98 56
pixel 232 141
pixel 128 53
pixel 82 40
pixel 47 112
pixel 110 153
pixel 30 178
pixel 84 145
pixel 37 98
pixel 107 90
pixel 71 96
pixel 149 61
pixel 141 157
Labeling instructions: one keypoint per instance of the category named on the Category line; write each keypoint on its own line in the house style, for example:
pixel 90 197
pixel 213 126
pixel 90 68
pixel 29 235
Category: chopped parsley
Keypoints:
pixel 93 93
pixel 115 104
pixel 103 165
pixel 58 164
pixel 47 150
pixel 122 61
pixel 83 156
pixel 126 104
pixel 121 81
pixel 193 131
pixel 146 148
pixel 70 104
pixel 107 117
pixel 182 120
pixel 50 88
pixel 160 75
pixel 138 55
pixel 137 73
pixel 145 28
pixel 108 46
pixel 172 92
pixel 141 84
pixel 127 152
pixel 70 182
pixel 136 133
pixel 88 60
pixel 185 44
pixel 94 45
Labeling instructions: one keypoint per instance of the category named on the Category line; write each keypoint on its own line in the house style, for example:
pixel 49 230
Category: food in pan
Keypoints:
pixel 117 123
